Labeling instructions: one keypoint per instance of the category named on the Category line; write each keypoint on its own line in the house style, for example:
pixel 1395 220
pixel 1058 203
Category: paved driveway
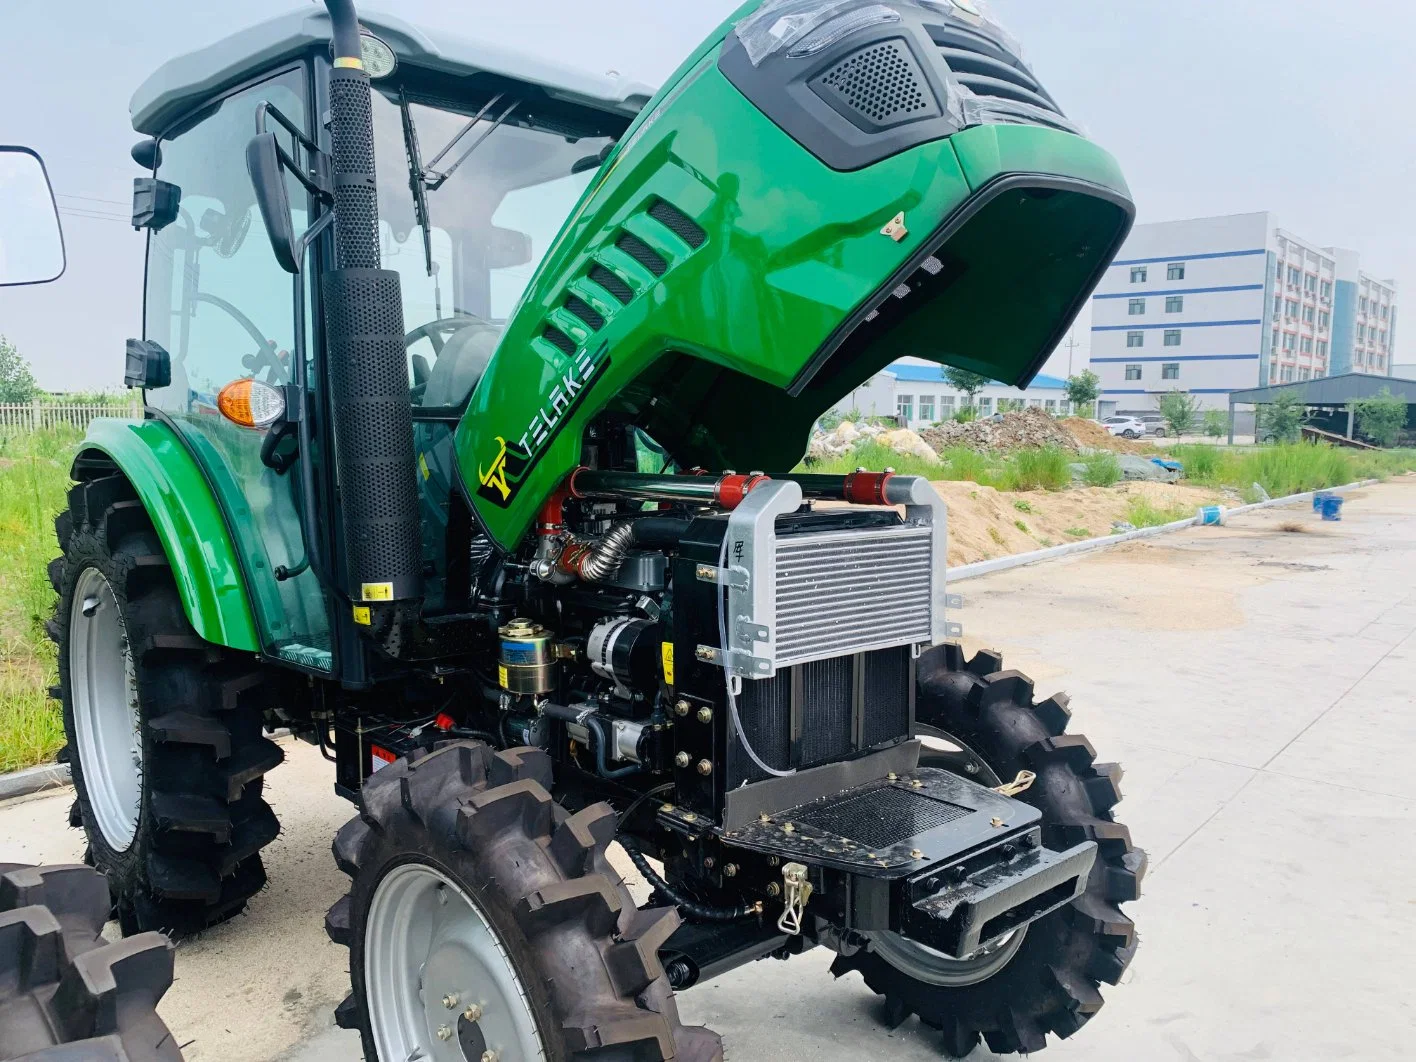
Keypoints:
pixel 1256 681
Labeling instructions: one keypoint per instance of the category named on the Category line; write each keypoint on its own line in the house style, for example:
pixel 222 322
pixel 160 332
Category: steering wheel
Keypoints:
pixel 267 357
pixel 436 332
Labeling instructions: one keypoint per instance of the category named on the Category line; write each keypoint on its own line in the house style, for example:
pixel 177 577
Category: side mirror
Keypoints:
pixel 31 240
pixel 263 162
pixel 507 248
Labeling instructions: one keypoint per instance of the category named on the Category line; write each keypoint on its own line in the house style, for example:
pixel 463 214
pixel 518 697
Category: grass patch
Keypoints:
pixel 1102 470
pixel 1021 527
pixel 1079 532
pixel 996 535
pixel 1022 506
pixel 1142 512
pixel 34 479
pixel 1044 468
pixel 1289 468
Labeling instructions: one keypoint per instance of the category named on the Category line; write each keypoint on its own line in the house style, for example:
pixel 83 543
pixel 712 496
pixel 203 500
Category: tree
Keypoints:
pixel 1215 423
pixel 16 381
pixel 1281 418
pixel 1381 417
pixel 1083 390
pixel 1180 410
pixel 970 383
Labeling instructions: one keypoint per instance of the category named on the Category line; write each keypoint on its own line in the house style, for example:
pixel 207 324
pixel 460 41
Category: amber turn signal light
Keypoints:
pixel 250 403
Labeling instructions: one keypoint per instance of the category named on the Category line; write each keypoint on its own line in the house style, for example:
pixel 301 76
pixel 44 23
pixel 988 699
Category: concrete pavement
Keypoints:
pixel 1255 680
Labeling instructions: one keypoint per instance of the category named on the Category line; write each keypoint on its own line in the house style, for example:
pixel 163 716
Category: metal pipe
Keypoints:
pixel 726 491
pixel 344 26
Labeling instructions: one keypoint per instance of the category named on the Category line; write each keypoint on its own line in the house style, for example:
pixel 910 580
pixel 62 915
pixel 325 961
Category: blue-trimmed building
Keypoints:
pixel 915 391
pixel 1222 304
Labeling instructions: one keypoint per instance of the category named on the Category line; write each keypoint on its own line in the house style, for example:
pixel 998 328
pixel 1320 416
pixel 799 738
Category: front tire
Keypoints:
pixel 164 728
pixel 1050 981
pixel 481 917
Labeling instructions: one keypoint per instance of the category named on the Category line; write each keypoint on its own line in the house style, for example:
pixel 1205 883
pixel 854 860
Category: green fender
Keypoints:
pixel 188 521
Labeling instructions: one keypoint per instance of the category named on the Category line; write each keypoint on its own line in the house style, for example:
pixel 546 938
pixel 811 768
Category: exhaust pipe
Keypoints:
pixel 369 395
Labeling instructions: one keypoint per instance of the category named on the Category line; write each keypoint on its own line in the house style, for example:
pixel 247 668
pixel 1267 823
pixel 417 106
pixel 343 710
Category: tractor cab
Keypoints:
pixel 480 155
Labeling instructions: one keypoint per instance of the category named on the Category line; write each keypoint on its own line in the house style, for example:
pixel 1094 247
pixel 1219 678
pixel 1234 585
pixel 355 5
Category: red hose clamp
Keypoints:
pixel 866 488
pixel 731 490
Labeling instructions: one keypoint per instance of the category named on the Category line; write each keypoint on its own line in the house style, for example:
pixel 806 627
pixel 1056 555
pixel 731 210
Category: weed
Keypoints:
pixel 1045 468
pixel 1022 506
pixel 994 534
pixel 1021 527
pixel 1142 512
pixel 1103 470
pixel 1079 532
pixel 1046 543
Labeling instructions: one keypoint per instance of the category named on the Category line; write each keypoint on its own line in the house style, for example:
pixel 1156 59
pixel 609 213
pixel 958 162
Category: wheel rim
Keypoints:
pixel 941 749
pixel 429 955
pixel 104 696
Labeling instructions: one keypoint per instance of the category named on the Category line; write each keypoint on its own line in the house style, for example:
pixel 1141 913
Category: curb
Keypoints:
pixel 1070 549
pixel 33 780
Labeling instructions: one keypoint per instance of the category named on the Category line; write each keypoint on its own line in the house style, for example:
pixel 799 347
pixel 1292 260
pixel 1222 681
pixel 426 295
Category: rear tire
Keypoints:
pixel 66 994
pixel 463 851
pixel 1051 982
pixel 164 728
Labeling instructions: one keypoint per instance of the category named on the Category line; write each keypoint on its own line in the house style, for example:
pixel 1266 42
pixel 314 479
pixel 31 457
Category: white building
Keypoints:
pixel 1221 304
pixel 915 391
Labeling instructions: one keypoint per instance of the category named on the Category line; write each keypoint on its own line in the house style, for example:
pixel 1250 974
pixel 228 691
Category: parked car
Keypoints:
pixel 1155 424
pixel 1126 427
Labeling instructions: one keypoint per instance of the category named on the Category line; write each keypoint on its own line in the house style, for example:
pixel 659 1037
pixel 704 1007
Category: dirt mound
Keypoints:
pixel 1093 436
pixel 1016 430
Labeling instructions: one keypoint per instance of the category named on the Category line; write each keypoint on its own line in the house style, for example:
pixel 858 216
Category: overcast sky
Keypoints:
pixel 1302 107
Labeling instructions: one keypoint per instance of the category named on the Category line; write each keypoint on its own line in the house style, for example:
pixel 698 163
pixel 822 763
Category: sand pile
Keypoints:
pixel 1093 436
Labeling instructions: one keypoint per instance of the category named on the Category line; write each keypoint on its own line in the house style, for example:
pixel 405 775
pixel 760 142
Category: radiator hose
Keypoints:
pixel 595 560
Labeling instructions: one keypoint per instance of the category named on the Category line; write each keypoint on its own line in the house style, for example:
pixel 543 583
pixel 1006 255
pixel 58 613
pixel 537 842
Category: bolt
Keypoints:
pixel 971 767
pixel 891 776
pixel 450 1000
pixel 689 816
pixel 787 827
pixel 773 861
pixel 705 767
pixel 705 715
pixel 444 1032
pixel 489 1056
pixel 681 707
pixel 708 862
pixel 917 784
pixel 683 759
pixel 730 871
pixel 773 889
pixel 764 818
pixel 915 853
pixel 995 822
pixel 473 1013
pixel 667 807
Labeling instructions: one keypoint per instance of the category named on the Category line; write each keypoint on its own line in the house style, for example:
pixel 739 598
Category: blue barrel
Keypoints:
pixel 1211 515
pixel 1332 507
pixel 1318 497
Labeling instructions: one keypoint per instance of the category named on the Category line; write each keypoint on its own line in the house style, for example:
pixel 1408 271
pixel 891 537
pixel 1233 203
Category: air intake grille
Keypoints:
pixel 585 312
pixel 847 591
pixel 991 72
pixel 881 82
pixel 615 286
pixel 561 341
pixel 642 253
pixel 679 223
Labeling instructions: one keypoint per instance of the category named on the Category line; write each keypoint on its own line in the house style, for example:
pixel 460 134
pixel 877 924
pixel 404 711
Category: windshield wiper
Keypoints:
pixel 417 182
pixel 424 179
pixel 434 179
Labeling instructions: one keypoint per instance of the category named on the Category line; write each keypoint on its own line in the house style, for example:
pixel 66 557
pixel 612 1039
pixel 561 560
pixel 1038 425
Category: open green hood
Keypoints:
pixel 770 233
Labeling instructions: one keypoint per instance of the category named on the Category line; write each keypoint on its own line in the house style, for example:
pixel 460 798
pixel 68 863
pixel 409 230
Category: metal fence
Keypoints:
pixel 39 415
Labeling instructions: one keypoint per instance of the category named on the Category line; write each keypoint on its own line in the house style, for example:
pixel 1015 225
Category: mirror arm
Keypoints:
pixel 309 235
pixel 315 176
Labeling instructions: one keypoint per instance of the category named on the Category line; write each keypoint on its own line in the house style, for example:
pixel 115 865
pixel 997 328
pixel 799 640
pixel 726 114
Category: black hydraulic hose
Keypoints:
pixel 702 912
pixel 659 532
pixel 344 24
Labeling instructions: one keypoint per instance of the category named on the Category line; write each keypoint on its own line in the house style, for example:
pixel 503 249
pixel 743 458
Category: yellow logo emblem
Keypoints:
pixel 495 477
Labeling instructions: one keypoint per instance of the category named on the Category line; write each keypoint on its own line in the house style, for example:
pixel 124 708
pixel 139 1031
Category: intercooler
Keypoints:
pixel 822 614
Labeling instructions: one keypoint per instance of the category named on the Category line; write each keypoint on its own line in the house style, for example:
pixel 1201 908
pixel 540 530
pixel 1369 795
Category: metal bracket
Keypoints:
pixel 796 891
pixel 953 630
pixel 953 600
pixel 736 578
pixel 733 660
pixel 747 631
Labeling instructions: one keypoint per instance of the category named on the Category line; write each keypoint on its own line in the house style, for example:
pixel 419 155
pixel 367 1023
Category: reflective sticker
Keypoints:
pixel 379 758
pixel 666 650
pixel 361 615
pixel 423 465
pixel 377 592
pixel 501 675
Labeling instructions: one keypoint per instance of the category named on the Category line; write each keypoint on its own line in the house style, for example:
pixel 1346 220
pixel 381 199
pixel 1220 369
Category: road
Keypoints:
pixel 1256 681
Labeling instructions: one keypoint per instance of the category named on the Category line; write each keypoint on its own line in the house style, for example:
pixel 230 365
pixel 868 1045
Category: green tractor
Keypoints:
pixel 473 389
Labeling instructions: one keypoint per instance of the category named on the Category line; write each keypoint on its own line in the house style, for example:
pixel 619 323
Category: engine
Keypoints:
pixel 729 632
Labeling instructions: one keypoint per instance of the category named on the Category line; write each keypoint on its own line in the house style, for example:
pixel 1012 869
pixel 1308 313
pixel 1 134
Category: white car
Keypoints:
pixel 1126 427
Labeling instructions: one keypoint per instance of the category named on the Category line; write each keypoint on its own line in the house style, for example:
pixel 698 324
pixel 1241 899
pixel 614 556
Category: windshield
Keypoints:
pixel 498 183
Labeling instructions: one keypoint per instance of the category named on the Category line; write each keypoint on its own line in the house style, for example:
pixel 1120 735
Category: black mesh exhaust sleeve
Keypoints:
pixel 372 407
